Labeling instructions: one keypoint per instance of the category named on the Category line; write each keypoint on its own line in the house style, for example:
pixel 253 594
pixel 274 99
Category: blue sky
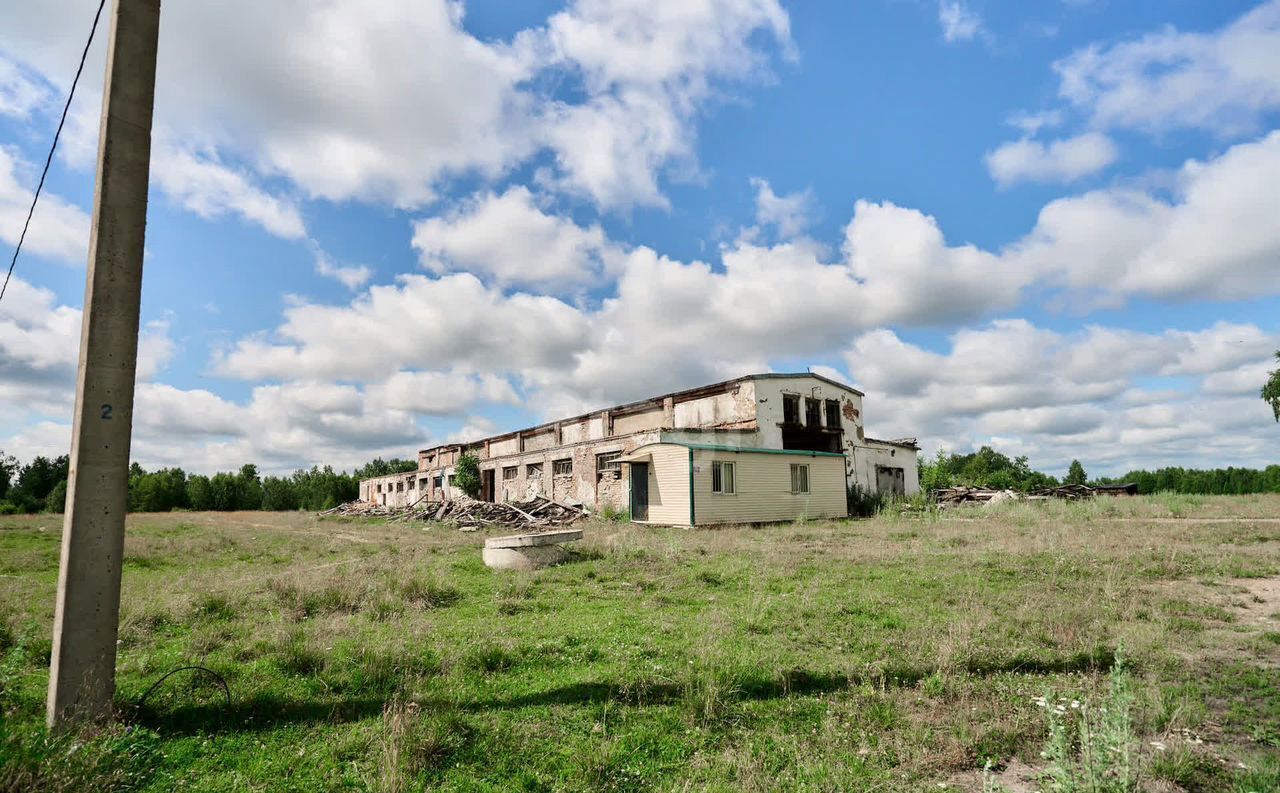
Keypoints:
pixel 1042 226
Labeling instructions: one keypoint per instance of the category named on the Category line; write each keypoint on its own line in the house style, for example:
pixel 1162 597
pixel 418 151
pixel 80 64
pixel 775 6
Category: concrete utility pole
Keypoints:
pixel 83 670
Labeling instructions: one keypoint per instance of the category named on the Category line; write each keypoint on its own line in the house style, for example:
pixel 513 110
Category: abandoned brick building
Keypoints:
pixel 759 447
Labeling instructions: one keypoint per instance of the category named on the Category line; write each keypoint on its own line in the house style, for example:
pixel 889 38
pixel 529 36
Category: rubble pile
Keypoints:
pixel 953 496
pixel 468 513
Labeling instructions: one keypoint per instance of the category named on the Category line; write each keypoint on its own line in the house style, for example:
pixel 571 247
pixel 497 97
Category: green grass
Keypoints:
pixel 895 653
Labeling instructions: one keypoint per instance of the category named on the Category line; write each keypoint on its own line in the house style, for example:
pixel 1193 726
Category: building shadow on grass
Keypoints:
pixel 266 712
pixel 794 682
pixel 257 713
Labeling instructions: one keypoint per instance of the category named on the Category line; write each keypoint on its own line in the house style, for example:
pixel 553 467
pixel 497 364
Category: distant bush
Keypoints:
pixel 864 504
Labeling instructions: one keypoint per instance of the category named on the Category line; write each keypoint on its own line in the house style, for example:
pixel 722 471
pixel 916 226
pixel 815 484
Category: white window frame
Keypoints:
pixel 719 466
pixel 800 471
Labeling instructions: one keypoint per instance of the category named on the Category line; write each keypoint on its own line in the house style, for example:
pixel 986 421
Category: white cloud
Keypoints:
pixel 509 239
pixel 1223 81
pixel 386 103
pixel 790 214
pixel 1064 160
pixel 441 393
pixel 352 277
pixel 1097 394
pixel 474 429
pixel 59 229
pixel 419 323
pixel 40 349
pixel 1214 238
pixel 210 189
pixel 19 93
pixel 646 68
pixel 958 21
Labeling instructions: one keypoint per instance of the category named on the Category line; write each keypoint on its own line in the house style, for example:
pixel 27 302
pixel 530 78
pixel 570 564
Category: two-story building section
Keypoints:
pixel 769 447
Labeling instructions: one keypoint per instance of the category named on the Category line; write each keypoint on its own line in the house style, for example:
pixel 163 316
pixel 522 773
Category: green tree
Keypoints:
pixel 466 474
pixel 935 474
pixel 249 488
pixel 8 470
pixel 380 467
pixel 1076 474
pixel 56 501
pixel 279 494
pixel 199 493
pixel 1271 390
pixel 36 481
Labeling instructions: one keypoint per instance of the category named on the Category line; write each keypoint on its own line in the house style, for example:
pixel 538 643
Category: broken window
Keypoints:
pixel 533 470
pixel 399 487
pixel 560 467
pixel 833 414
pixel 438 483
pixel 799 478
pixel 607 462
pixel 379 488
pixel 722 478
pixel 510 472
pixel 410 484
pixel 791 408
pixel 812 412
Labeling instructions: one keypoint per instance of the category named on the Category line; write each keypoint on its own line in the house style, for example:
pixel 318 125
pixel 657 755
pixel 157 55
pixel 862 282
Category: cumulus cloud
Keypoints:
pixel 759 303
pixel 1100 394
pixel 202 184
pixel 20 93
pixel 40 348
pixel 1214 237
pixel 350 276
pixel 1064 160
pixel 1222 81
pixel 386 103
pixel 511 240
pixel 59 229
pixel 441 393
pixel 959 22
pixel 418 323
pixel 790 214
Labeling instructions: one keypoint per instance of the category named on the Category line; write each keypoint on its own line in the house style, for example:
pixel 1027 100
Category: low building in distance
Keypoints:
pixel 762 447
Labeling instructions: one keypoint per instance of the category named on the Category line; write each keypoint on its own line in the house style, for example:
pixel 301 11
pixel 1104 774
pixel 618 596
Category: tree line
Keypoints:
pixel 989 468
pixel 41 486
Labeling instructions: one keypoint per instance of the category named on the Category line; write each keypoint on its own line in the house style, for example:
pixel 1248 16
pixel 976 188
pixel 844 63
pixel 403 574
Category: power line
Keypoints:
pixel 49 160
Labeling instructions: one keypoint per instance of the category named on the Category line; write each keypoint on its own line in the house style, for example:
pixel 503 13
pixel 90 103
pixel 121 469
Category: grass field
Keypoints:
pixel 891 654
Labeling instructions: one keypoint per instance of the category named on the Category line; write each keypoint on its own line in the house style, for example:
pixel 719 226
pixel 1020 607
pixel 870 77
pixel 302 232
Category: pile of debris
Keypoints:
pixel 468 513
pixel 952 496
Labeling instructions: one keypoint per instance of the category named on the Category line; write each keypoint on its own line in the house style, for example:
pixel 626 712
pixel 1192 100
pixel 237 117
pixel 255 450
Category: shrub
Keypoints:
pixel 863 504
pixel 426 593
pixel 1103 733
pixel 466 475
pixel 616 515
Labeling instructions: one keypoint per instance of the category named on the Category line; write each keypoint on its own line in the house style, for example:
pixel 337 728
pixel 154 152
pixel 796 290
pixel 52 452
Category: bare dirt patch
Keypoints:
pixel 1258 602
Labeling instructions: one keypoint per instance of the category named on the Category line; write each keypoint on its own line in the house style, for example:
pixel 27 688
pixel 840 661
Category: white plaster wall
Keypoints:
pixel 733 407
pixel 863 460
pixel 769 406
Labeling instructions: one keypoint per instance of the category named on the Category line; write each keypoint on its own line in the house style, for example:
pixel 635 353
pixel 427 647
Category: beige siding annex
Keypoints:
pixel 751 485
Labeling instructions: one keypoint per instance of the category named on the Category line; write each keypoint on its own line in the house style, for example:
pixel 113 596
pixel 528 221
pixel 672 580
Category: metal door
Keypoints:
pixel 639 491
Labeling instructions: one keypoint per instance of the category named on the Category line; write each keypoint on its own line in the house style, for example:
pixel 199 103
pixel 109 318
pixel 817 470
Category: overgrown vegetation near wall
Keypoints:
pixel 41 486
pixel 989 468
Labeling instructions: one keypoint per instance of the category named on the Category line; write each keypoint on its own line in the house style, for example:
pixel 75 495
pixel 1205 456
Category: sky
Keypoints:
pixel 1052 228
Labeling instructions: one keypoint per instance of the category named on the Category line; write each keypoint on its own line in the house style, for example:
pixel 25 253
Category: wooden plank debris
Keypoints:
pixel 468 513
pixel 953 496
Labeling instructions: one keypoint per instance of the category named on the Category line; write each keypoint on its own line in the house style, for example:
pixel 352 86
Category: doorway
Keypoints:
pixel 486 485
pixel 639 491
